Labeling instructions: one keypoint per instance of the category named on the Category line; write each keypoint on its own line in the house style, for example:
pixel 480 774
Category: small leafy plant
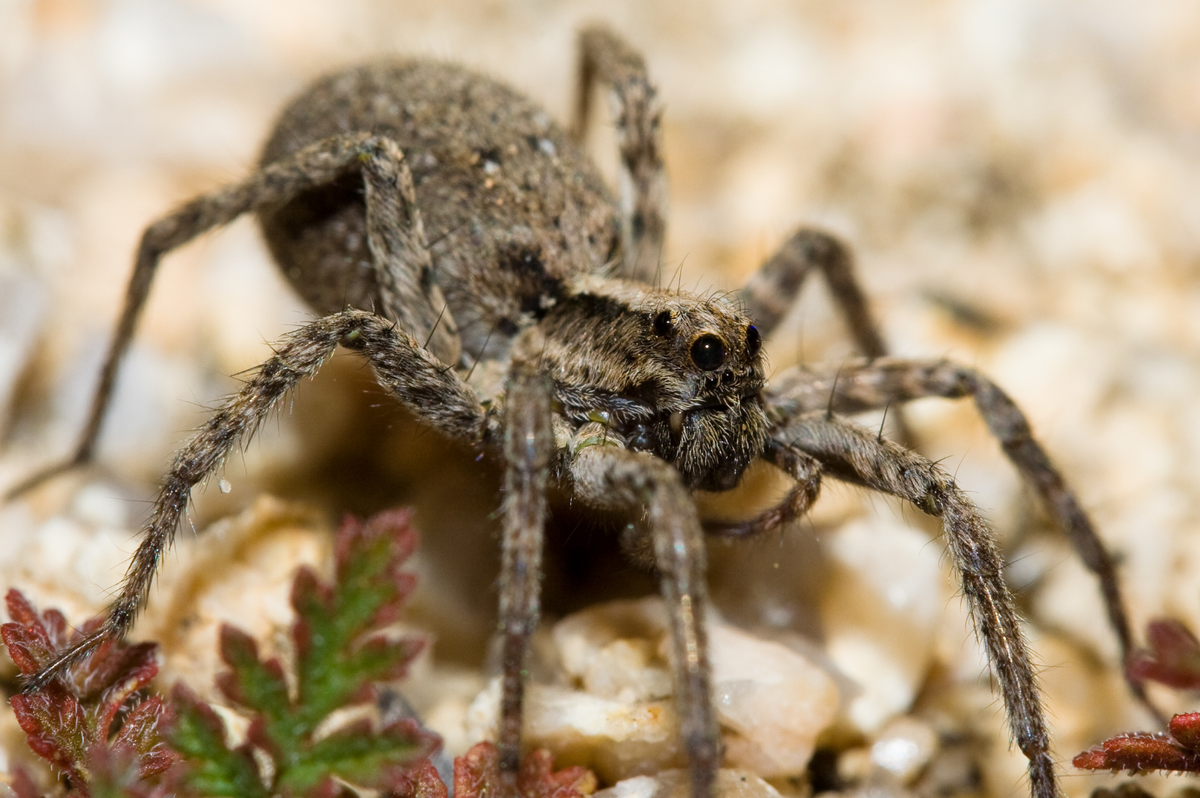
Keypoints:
pixel 96 716
pixel 339 653
pixel 477 775
pixel 311 725
pixel 1173 659
pixel 108 735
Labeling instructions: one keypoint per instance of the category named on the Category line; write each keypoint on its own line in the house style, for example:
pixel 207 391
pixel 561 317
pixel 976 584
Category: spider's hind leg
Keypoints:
pixel 774 288
pixel 863 386
pixel 605 56
pixel 395 237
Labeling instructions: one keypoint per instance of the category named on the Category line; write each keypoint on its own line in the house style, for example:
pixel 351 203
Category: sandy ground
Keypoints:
pixel 1019 180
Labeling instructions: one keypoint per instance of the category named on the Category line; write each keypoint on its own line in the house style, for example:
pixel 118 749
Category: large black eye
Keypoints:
pixel 663 325
pixel 753 341
pixel 708 352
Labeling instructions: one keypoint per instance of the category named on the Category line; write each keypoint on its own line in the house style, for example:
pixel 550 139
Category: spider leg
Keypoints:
pixel 773 290
pixel 395 237
pixel 861 386
pixel 428 388
pixel 803 468
pixel 637 114
pixel 854 454
pixel 611 476
pixel 528 447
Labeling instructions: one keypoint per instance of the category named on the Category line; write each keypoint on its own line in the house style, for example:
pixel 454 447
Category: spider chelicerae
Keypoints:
pixel 527 325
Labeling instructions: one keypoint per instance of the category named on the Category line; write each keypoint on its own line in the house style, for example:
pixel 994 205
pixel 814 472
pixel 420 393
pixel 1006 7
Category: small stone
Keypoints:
pixel 887 595
pixel 904 748
pixel 239 571
pixel 854 765
pixel 675 784
pixel 618 716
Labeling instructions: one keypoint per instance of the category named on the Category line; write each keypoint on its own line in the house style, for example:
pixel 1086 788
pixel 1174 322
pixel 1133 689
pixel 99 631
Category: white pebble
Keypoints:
pixel 618 716
pixel 888 593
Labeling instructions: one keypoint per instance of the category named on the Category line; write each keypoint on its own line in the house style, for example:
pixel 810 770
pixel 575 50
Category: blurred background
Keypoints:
pixel 1020 181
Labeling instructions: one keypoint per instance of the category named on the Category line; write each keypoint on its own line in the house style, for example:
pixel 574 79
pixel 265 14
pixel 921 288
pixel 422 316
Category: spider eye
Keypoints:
pixel 663 324
pixel 753 341
pixel 708 352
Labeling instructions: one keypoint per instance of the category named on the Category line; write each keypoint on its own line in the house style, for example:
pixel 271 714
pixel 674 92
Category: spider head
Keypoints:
pixel 675 374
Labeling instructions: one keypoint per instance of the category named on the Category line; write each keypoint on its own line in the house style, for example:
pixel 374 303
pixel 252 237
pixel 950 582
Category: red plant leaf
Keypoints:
pixel 25 647
pixel 70 721
pixel 1137 752
pixel 421 781
pixel 118 771
pixel 1173 658
pixel 142 733
pixel 1186 730
pixel 477 775
pixel 537 778
pixel 55 726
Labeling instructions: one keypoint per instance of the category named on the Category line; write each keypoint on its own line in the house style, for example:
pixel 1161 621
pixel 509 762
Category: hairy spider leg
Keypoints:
pixel 863 386
pixel 608 475
pixel 854 454
pixel 775 287
pixel 528 449
pixel 433 392
pixel 395 236
pixel 637 114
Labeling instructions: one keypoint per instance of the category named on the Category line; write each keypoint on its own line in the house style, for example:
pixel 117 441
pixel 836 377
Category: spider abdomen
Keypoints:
pixel 512 209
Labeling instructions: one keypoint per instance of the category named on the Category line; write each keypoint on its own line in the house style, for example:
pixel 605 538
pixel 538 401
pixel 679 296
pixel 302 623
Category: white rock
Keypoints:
pixel 617 716
pixel 674 784
pixel 904 748
pixel 887 595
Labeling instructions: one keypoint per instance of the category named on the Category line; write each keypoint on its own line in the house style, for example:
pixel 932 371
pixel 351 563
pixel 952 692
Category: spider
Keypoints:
pixel 528 326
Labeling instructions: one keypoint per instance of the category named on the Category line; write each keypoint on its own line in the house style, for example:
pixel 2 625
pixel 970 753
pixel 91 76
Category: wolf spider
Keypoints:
pixel 527 326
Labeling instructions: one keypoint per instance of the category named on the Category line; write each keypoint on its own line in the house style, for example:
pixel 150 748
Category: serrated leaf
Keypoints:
pixel 199 734
pixel 142 732
pixel 334 657
pixel 116 773
pixel 74 721
pixel 338 655
pixel 477 775
pixel 254 684
pixel 359 755
pixel 422 781
pixel 55 727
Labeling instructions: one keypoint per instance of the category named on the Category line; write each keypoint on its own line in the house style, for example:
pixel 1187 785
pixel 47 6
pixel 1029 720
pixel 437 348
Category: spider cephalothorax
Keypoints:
pixel 628 395
pixel 670 373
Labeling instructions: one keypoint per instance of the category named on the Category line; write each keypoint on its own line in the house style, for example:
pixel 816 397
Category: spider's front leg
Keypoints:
pixel 861 386
pixel 396 239
pixel 528 448
pixel 854 454
pixel 434 393
pixel 605 474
